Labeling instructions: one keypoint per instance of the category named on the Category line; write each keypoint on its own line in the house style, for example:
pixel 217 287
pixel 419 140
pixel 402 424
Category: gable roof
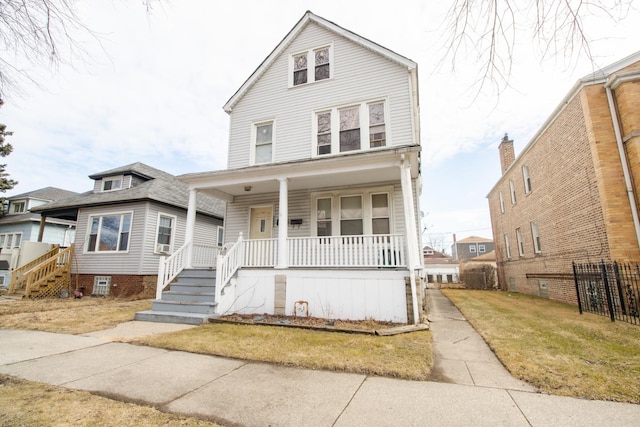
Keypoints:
pixel 307 18
pixel 160 187
pixel 46 193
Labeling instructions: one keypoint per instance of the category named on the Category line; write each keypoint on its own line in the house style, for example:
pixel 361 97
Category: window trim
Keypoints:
pixel 367 208
pixel 172 237
pixel 112 179
pixel 512 189
pixel 3 240
pixel 506 245
pixel 481 248
pixel 519 242
pixel 88 233
pixel 363 115
pixel 311 65
pixel 472 248
pixel 254 140
pixel 220 235
pixel 526 176
pixel 22 204
pixel 535 234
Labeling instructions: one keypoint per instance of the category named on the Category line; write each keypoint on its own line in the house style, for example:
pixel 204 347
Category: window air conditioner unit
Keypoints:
pixel 163 249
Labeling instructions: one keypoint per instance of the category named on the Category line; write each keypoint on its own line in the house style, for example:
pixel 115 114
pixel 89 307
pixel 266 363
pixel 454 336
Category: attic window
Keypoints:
pixel 311 66
pixel 112 183
pixel 18 207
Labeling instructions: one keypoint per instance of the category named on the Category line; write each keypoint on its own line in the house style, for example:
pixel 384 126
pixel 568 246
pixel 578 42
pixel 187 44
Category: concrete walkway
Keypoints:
pixel 256 394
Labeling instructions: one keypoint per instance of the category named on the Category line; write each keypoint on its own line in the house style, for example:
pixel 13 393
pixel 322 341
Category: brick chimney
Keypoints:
pixel 507 154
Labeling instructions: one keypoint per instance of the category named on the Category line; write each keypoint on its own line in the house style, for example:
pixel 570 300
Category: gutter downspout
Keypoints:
pixel 623 158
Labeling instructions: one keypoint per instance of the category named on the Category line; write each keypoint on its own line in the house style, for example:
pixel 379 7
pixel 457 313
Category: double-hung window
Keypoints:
pixel 506 246
pixel 376 125
pixel 263 143
pixel 311 66
pixel 527 179
pixel 512 189
pixel 472 248
pixel 535 233
pixel 109 233
pixel 351 216
pixel 481 249
pixel 350 128
pixel 501 203
pixel 520 242
pixel 366 213
pixel 18 207
pixel 164 238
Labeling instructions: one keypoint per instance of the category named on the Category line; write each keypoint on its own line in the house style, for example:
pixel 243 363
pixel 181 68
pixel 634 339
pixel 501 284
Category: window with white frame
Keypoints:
pixel 263 142
pixel 18 207
pixel 527 179
pixel 501 203
pixel 472 248
pixel 535 234
pixel 10 240
pixel 109 233
pixel 323 216
pixel 368 212
pixel 512 189
pixel 220 235
pixel 165 232
pixel 112 183
pixel 351 221
pixel 311 66
pixel 520 242
pixel 350 128
pixel 376 125
pixel 481 249
pixel 506 246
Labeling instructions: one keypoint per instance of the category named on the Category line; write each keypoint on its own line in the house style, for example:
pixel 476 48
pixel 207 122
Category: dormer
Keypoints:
pixel 120 178
pixel 18 207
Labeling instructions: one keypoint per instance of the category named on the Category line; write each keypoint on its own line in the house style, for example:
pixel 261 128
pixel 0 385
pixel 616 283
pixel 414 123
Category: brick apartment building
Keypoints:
pixel 571 194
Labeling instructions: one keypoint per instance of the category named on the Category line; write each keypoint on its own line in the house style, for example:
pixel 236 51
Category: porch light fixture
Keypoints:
pixel 247 188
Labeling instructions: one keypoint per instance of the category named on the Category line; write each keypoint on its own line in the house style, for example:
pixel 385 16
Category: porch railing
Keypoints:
pixel 18 276
pixel 204 256
pixel 56 269
pixel 169 267
pixel 376 250
pixel 260 253
pixel 227 266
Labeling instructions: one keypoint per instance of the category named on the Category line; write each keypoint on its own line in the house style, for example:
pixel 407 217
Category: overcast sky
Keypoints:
pixel 153 89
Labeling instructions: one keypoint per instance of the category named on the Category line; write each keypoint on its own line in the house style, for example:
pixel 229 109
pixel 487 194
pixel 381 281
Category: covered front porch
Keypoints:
pixel 296 241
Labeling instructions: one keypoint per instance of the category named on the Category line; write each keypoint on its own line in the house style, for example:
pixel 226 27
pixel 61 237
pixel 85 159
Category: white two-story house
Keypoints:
pixel 323 182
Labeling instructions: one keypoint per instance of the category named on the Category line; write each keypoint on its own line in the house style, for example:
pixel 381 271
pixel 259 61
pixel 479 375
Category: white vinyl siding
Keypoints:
pixel 301 206
pixel 140 258
pixel 295 107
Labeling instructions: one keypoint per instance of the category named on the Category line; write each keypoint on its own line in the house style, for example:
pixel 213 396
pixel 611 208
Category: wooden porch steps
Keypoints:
pixel 189 300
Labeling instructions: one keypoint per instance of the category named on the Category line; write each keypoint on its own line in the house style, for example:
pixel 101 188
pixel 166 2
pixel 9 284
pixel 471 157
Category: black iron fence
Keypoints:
pixel 609 289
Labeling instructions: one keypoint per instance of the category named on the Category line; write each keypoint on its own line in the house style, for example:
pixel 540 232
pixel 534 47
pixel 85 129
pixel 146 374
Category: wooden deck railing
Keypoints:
pixel 57 265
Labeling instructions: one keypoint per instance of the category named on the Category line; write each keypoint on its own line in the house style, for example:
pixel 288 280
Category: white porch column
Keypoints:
pixel 191 225
pixel 283 220
pixel 412 234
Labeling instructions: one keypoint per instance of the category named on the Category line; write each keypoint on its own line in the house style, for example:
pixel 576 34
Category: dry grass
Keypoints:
pixel 402 356
pixel 68 316
pixel 551 346
pixel 24 403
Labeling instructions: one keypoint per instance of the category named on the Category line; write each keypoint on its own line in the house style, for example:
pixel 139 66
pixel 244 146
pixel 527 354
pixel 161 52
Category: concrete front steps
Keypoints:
pixel 190 300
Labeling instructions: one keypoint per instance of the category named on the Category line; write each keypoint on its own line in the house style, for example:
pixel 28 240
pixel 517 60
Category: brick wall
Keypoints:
pixel 565 203
pixel 122 286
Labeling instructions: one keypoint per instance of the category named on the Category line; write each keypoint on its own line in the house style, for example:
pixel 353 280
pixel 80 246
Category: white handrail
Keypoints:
pixel 169 267
pixel 227 265
pixel 204 255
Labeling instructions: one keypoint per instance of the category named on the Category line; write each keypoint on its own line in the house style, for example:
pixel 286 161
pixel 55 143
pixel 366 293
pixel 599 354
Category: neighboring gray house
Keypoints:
pixel 323 182
pixel 18 224
pixel 134 215
pixel 470 247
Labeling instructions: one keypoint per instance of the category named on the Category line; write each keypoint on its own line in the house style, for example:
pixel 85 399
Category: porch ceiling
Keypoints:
pixel 351 170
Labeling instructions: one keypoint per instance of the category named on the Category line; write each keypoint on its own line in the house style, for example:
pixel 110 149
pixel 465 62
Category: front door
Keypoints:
pixel 261 223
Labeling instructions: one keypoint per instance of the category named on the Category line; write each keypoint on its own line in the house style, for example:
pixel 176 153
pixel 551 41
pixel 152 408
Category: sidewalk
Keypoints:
pixel 257 394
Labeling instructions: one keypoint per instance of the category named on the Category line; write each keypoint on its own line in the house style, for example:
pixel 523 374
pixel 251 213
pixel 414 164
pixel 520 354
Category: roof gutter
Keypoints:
pixel 613 82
